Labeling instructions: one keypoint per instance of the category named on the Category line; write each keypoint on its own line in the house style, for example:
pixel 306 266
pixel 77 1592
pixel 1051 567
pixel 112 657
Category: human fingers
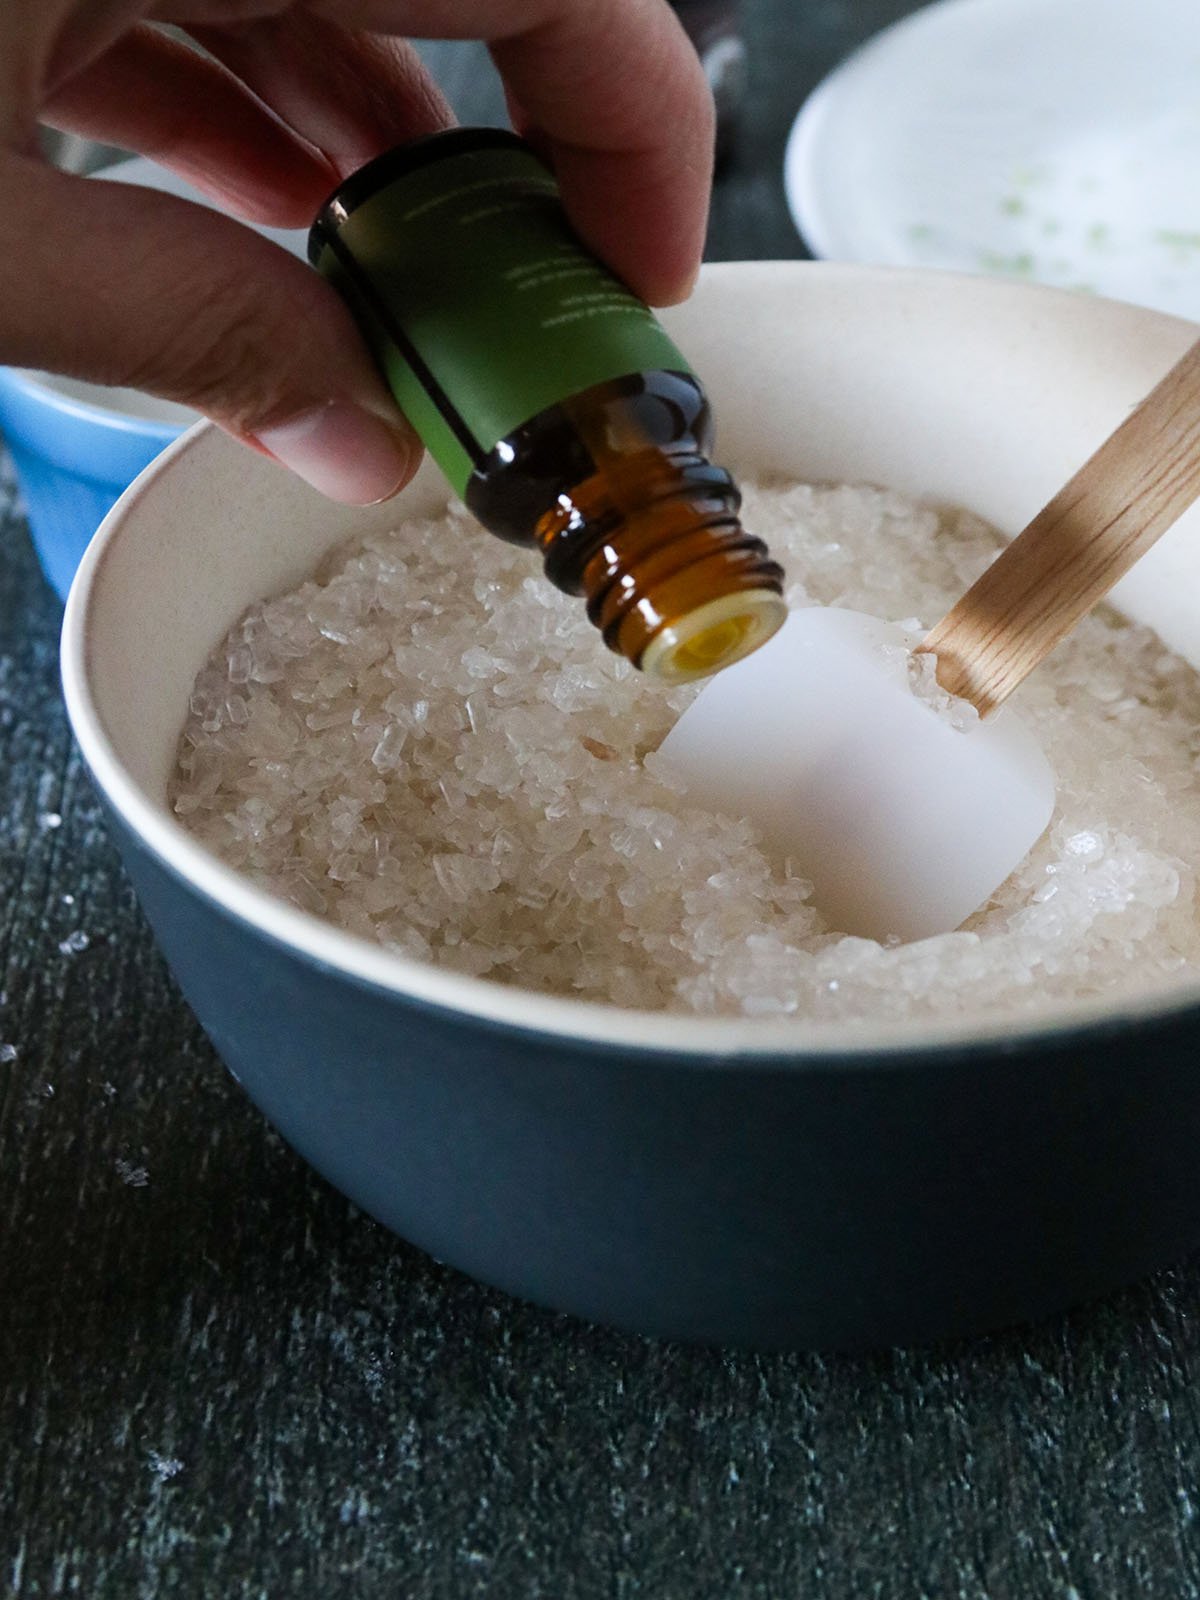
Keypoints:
pixel 157 96
pixel 611 89
pixel 126 286
pixel 627 117
pixel 352 95
pixel 267 120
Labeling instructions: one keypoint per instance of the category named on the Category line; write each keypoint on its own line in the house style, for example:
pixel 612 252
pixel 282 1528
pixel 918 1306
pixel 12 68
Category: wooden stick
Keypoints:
pixel 1120 501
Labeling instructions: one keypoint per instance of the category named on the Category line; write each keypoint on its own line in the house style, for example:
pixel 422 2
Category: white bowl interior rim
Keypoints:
pixel 912 327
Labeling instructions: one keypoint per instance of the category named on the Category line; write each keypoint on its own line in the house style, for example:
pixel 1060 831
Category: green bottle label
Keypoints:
pixel 480 303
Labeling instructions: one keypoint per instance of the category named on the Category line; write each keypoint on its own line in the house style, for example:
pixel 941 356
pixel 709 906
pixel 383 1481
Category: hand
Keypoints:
pixel 125 286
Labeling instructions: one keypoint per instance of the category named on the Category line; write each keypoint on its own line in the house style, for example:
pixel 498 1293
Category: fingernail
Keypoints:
pixel 346 453
pixel 687 285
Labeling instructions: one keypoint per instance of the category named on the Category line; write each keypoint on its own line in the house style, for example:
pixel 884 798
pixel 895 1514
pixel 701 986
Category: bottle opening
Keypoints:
pixel 713 636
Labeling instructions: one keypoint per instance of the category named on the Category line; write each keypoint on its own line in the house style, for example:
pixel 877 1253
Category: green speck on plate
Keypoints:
pixel 1020 265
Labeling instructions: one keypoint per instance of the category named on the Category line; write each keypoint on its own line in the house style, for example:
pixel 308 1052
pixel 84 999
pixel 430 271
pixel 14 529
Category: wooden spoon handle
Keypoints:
pixel 1141 479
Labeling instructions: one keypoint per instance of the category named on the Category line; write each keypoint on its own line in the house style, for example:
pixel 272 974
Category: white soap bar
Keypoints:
pixel 905 823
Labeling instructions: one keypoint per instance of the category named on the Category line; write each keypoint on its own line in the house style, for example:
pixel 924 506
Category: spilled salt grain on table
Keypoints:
pixel 425 745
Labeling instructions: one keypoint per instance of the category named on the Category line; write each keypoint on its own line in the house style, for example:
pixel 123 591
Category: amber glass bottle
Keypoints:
pixel 550 396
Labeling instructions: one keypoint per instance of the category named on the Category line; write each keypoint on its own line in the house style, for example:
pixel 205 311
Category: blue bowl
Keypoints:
pixel 766 1182
pixel 73 459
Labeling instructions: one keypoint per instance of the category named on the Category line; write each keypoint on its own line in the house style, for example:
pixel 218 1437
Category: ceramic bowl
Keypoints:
pixel 767 1183
pixel 77 446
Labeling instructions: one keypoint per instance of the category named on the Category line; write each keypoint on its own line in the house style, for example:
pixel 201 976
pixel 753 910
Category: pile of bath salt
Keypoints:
pixel 428 745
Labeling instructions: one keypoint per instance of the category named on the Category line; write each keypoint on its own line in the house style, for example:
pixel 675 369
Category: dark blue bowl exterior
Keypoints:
pixel 836 1202
pixel 73 463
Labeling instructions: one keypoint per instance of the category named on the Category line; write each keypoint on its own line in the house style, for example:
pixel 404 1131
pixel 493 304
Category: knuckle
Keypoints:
pixel 245 357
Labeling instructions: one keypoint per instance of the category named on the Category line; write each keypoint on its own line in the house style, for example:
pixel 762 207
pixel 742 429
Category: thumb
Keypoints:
pixel 126 286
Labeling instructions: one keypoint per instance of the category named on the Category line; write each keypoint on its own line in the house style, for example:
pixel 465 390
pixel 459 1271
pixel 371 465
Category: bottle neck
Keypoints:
pixel 650 541
pixel 637 520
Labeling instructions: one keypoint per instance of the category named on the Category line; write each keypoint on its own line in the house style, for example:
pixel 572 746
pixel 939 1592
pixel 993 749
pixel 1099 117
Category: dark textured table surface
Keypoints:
pixel 218 1378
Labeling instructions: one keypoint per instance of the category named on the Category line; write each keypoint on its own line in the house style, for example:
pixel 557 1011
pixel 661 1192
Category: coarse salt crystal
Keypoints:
pixel 507 843
pixel 240 664
pixel 1085 846
pixel 387 752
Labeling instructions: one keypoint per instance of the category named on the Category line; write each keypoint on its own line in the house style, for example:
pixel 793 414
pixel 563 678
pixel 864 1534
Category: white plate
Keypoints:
pixel 1056 140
